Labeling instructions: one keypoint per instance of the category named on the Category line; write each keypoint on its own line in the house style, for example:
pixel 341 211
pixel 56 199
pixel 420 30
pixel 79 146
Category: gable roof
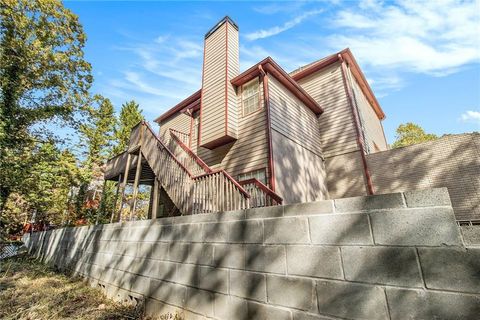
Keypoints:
pixel 290 81
pixel 269 65
pixel 346 55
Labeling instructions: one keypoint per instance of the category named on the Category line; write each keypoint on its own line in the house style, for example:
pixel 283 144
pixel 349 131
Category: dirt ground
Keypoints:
pixel 30 290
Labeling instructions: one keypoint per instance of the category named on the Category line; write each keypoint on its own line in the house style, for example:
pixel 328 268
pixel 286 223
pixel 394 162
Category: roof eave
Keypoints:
pixel 180 106
pixel 269 65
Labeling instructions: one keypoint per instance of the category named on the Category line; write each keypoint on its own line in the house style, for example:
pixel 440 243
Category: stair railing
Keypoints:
pixel 260 194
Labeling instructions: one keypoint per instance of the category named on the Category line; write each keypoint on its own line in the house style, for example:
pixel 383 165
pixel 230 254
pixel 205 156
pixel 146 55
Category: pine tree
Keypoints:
pixel 130 115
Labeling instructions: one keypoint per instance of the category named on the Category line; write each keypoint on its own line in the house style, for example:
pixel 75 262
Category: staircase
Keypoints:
pixel 209 192
pixel 190 183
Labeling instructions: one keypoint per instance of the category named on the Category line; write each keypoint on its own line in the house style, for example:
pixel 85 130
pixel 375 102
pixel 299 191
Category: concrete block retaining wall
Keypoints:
pixel 395 256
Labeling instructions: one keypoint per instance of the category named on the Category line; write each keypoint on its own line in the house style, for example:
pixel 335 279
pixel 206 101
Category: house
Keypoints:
pixel 257 138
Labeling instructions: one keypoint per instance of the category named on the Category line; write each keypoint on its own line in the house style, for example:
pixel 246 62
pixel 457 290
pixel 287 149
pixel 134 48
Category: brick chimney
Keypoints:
pixel 218 115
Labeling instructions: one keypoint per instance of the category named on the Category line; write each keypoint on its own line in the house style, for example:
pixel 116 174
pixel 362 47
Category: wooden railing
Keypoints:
pixel 260 194
pixel 189 159
pixel 184 137
pixel 218 191
pixel 209 192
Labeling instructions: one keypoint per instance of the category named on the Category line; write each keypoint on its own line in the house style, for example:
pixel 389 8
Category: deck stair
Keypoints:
pixel 190 183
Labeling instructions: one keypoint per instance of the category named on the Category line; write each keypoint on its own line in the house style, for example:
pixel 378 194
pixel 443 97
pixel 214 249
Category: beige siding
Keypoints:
pixel 299 173
pixel 179 121
pixel 290 117
pixel 337 130
pixel 246 154
pixel 221 51
pixel 296 143
pixel 233 71
pixel 371 125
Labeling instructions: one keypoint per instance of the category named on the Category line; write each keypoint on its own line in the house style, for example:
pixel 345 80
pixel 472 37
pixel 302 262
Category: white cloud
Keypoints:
pixel 265 33
pixel 471 116
pixel 432 37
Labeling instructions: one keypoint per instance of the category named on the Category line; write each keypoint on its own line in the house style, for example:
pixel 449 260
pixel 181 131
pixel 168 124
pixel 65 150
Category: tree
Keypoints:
pixel 43 76
pixel 96 138
pixel 411 133
pixel 130 115
pixel 97 131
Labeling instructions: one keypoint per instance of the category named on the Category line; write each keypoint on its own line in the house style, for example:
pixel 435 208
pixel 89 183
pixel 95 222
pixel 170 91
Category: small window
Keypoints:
pixel 260 175
pixel 251 97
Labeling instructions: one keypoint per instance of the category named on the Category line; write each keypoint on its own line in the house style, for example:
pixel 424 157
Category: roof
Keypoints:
pixel 269 65
pixel 346 55
pixel 180 106
pixel 290 81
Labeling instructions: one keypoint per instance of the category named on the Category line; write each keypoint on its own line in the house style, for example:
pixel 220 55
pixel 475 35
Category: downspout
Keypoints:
pixel 266 100
pixel 360 141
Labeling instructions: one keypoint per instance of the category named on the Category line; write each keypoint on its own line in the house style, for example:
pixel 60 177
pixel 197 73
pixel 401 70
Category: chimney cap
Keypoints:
pixel 219 24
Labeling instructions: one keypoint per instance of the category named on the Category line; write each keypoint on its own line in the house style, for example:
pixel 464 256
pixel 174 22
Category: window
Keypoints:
pixel 250 97
pixel 257 174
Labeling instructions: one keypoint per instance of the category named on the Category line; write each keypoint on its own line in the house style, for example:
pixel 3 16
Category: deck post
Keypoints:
pixel 114 209
pixel 154 202
pixel 135 185
pixel 125 180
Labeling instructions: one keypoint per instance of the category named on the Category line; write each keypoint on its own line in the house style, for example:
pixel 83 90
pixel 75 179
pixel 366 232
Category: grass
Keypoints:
pixel 30 290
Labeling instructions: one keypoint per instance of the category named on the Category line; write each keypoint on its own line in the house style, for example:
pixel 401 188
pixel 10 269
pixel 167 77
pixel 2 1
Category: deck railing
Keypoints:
pixel 189 159
pixel 260 194
pixel 209 192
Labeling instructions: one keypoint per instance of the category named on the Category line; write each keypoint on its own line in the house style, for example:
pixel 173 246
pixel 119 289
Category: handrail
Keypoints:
pixel 229 177
pixel 264 188
pixel 190 152
pixel 116 156
pixel 178 131
pixel 168 150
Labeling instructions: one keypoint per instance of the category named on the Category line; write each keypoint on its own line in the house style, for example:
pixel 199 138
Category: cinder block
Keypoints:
pixel 265 212
pixel 168 292
pixel 452 269
pixel 178 251
pixel 159 250
pixel 286 230
pixel 229 215
pixel 386 265
pixel 248 285
pixel 258 311
pixel 350 300
pixel 246 231
pixel 213 279
pixel 419 226
pixel 229 256
pixel 419 304
pixel 265 258
pixel 201 254
pixel 314 261
pixel 298 293
pixel 428 198
pixel 215 232
pixel 190 232
pixel 200 301
pixel 228 307
pixel 382 201
pixel 471 235
pixel 299 315
pixel 340 229
pixel 309 208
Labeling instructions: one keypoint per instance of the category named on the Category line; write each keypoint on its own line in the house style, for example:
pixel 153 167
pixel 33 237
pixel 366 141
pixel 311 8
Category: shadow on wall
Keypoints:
pixel 235 269
pixel 452 161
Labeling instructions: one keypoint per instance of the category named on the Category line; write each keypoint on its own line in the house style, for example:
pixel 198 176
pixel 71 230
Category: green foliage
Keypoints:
pixel 43 78
pixel 411 133
pixel 130 115
pixel 97 131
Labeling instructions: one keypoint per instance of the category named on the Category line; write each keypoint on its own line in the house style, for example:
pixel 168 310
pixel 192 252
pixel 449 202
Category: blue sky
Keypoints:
pixel 422 59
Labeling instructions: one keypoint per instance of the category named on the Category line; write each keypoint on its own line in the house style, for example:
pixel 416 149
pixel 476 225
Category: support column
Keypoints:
pixel 155 199
pixel 135 185
pixel 125 180
pixel 114 209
